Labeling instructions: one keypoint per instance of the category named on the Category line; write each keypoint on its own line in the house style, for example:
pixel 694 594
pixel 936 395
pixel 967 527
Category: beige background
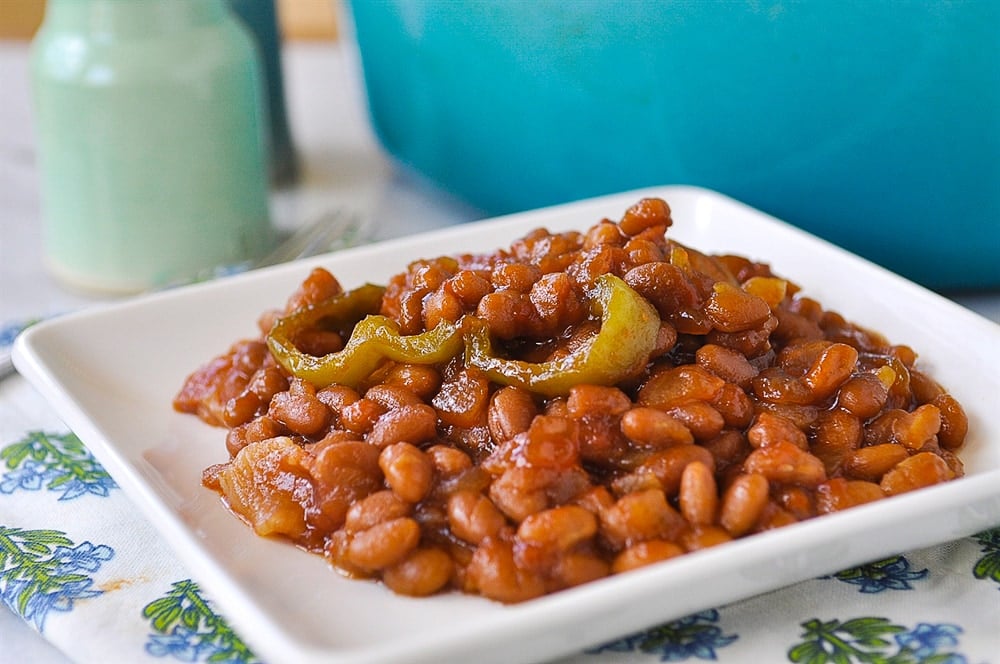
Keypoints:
pixel 300 19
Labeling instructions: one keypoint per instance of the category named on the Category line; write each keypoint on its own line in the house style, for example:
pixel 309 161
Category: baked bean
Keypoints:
pixel 769 429
pixel 796 501
pixel 703 537
pixel 915 472
pixel 802 416
pixel 645 553
pixel 319 285
pixel 785 463
pixel 260 428
pixel 698 495
pixel 343 473
pixel 954 422
pixel 703 421
pixel 774 516
pixel 604 232
pixel 644 214
pixel 840 493
pixel 574 568
pixel 668 465
pixel 429 275
pixel 680 385
pixel 473 517
pixel 732 309
pixel 267 382
pixel 774 385
pixel 924 388
pixel 240 409
pixel 836 434
pixel 384 544
pixel 557 302
pixel 408 424
pixel 587 400
pixel 422 572
pixel 753 343
pixel 735 407
pixel 863 395
pixel 640 516
pixel 360 416
pixel 641 251
pixel 408 471
pixel 469 286
pixel 299 410
pixel 374 509
pixel 831 369
pixel 794 327
pixel 558 529
pixel 550 442
pixel 666 339
pixel 421 380
pixel 743 503
pixel 509 314
pixel 463 399
pixel 319 342
pixel 493 573
pixel 728 448
pixel 448 461
pixel 391 397
pixel 596 499
pixel 511 411
pixel 871 463
pixel 441 307
pixel 667 289
pixel 915 429
pixel 654 428
pixel 756 408
pixel 518 277
pixel 337 397
pixel 520 492
pixel 475 479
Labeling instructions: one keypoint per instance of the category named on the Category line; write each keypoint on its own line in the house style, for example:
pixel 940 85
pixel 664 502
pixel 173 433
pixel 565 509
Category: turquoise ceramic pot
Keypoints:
pixel 871 123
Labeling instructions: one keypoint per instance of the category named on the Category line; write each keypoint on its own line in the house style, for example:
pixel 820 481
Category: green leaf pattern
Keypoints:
pixel 42 571
pixel 186 628
pixel 54 462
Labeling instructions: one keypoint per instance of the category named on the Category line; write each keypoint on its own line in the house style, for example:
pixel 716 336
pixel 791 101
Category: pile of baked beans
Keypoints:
pixel 756 409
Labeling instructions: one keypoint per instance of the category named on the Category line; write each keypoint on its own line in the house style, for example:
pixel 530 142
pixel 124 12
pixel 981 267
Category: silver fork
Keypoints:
pixel 337 229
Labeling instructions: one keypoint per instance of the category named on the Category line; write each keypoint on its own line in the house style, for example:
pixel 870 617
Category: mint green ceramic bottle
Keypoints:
pixel 151 141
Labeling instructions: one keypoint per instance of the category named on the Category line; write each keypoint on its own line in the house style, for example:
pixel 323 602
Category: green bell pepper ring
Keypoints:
pixel 374 339
pixel 620 349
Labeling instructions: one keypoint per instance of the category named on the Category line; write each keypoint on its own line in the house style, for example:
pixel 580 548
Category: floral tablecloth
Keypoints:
pixel 86 570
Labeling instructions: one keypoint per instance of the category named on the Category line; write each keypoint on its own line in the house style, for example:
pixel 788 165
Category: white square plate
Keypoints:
pixel 111 374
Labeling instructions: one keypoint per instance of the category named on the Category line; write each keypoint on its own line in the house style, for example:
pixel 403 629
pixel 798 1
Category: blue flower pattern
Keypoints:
pixel 695 636
pixel 61 573
pixel 867 639
pixel 31 476
pixel 43 571
pixel 187 629
pixel 58 463
pixel 889 574
pixel 926 639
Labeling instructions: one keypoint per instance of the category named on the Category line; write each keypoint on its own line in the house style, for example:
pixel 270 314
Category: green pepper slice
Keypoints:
pixel 620 349
pixel 374 339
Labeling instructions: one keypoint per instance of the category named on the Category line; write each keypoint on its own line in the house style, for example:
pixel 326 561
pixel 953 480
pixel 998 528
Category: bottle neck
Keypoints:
pixel 132 18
